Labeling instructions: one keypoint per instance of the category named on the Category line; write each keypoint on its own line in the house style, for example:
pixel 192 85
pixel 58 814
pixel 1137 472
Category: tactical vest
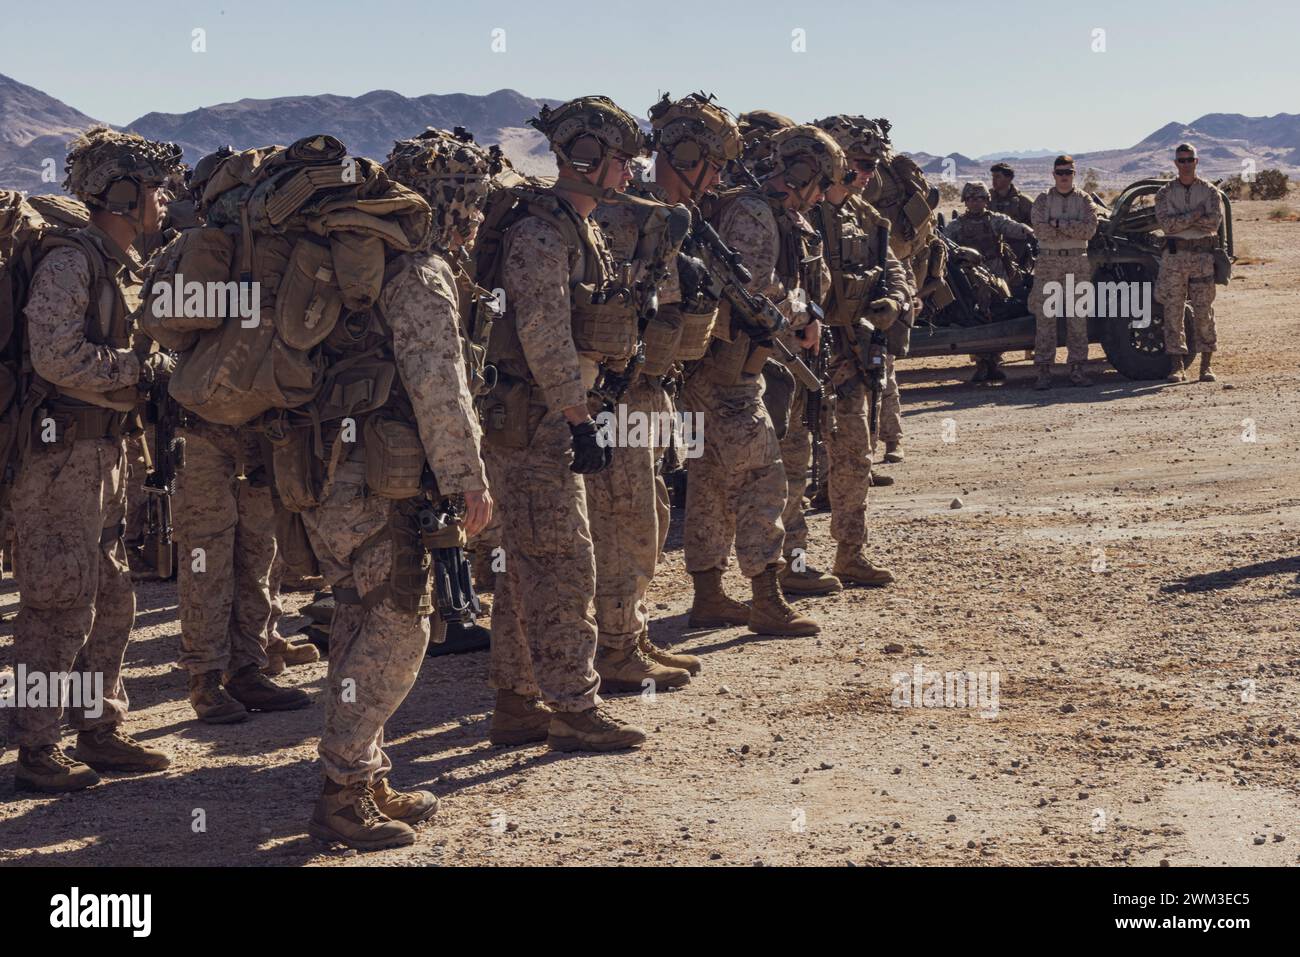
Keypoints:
pixel 602 315
pixel 88 414
pixel 977 232
pixel 851 257
pixel 735 353
pixel 898 192
pixel 1008 205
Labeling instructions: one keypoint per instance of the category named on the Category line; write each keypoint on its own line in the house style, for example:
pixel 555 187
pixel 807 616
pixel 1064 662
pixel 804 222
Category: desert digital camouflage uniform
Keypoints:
pixel 375 654
pixel 1190 216
pixel 850 444
pixel 627 502
pixel 223 505
pixel 69 496
pixel 1063 224
pixel 1017 206
pixel 543 628
pixel 986 234
pixel 737 487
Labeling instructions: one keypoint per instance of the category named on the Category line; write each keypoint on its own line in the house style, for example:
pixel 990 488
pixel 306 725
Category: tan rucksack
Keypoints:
pixel 29 227
pixel 295 238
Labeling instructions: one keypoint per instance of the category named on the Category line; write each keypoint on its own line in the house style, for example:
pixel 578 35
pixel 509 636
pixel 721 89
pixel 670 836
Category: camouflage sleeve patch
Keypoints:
pixel 535 277
pixel 56 329
pixel 423 313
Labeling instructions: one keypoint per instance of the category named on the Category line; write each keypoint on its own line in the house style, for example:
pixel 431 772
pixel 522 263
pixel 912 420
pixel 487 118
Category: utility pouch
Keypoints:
pixel 394 458
pixel 1222 267
pixel 506 412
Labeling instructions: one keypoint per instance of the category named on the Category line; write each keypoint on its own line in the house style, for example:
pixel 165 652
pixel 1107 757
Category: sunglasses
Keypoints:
pixel 1186 162
pixel 1063 172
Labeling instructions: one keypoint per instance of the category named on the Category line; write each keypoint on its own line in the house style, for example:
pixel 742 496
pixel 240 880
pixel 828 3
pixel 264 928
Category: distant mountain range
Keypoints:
pixel 1227 144
pixel 35 127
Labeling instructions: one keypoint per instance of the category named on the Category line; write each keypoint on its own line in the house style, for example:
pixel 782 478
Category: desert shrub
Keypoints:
pixel 949 192
pixel 1267 184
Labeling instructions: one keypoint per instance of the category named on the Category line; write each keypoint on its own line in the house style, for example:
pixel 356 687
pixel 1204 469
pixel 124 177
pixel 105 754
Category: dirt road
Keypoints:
pixel 1124 564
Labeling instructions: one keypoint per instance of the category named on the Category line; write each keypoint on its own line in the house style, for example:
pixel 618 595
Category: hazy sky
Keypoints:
pixel 974 78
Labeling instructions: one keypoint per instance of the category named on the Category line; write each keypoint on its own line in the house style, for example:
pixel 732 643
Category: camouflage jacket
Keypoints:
pixel 1064 220
pixel 1189 212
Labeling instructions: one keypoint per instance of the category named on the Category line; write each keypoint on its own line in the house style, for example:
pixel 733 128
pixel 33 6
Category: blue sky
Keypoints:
pixel 952 76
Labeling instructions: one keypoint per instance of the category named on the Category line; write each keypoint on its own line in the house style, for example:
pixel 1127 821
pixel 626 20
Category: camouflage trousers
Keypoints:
pixel 1050 273
pixel 629 512
pixel 737 487
pixel 374 655
pixel 796 454
pixel 76 604
pixel 543 629
pixel 136 511
pixel 223 507
pixel 1187 277
pixel 850 462
pixel 890 425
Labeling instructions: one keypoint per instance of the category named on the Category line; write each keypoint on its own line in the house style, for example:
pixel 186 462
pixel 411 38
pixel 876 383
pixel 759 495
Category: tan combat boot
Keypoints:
pixel 880 479
pixel 211 702
pixel 409 807
pixel 771 614
pixel 592 730
pixel 518 720
pixel 894 451
pixel 347 814
pixel 256 692
pixel 810 581
pixel 1177 363
pixel 628 667
pixel 52 771
pixel 673 659
pixel 1207 374
pixel 712 608
pixel 107 748
pixel 282 653
pixel 1044 380
pixel 851 565
pixel 1077 375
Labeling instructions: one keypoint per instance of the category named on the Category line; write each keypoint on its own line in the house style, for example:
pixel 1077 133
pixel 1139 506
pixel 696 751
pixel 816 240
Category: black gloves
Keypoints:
pixel 589 456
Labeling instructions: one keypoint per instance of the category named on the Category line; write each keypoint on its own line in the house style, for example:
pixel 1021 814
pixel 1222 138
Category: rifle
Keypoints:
pixel 660 236
pixel 818 406
pixel 728 279
pixel 453 580
pixel 164 414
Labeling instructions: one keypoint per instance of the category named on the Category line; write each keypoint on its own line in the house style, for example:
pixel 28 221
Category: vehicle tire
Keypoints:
pixel 1140 353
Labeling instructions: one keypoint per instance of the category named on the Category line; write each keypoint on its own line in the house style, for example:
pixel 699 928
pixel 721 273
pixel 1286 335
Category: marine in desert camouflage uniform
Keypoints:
pixel 856 242
pixel 1006 199
pixel 737 488
pixel 694 140
pixel 1189 211
pixel 69 498
pixel 562 318
pixel 899 192
pixel 224 520
pixel 1064 220
pixel 368 545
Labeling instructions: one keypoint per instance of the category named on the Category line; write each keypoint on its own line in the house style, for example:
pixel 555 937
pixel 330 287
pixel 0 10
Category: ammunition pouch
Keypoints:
pixel 727 360
pixel 758 356
pixel 75 423
pixel 915 214
pixel 299 472
pixel 661 336
pixel 607 327
pixel 394 458
pixel 697 330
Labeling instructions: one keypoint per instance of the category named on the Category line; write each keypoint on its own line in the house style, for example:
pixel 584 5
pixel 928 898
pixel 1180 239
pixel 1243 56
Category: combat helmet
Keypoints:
pixel 198 177
pixel 803 155
pixel 756 130
pixel 583 132
pixel 973 189
pixel 452 172
pixel 859 137
pixel 107 169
